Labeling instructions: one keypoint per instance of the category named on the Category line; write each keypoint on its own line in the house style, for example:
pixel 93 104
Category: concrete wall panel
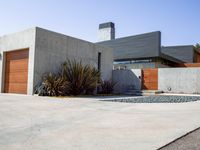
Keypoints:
pixel 126 79
pixel 52 49
pixel 179 80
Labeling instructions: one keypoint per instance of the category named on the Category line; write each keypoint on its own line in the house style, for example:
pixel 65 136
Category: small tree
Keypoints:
pixel 197 47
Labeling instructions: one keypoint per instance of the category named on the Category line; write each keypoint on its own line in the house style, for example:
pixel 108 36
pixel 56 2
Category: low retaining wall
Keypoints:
pixel 170 80
pixel 126 79
pixel 179 80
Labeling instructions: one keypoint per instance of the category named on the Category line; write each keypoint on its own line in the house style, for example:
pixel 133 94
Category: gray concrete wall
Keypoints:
pixel 17 41
pixel 170 80
pixel 180 80
pixel 134 47
pixel 52 49
pixel 126 79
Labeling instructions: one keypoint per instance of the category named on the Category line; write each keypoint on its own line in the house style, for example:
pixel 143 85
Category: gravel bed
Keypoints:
pixel 157 99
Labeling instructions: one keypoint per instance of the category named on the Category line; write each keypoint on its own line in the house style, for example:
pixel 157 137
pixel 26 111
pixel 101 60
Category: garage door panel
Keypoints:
pixel 20 88
pixel 17 77
pixel 17 65
pixel 16 55
pixel 16 72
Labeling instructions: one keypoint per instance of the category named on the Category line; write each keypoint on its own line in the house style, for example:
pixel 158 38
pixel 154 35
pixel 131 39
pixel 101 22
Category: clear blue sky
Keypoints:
pixel 178 20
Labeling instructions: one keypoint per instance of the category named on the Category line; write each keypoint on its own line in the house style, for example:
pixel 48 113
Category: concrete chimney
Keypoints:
pixel 106 31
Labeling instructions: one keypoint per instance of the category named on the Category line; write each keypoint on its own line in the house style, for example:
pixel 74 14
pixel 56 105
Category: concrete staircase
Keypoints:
pixel 132 91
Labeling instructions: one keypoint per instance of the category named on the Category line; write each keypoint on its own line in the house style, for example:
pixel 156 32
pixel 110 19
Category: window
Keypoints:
pixel 99 61
pixel 147 60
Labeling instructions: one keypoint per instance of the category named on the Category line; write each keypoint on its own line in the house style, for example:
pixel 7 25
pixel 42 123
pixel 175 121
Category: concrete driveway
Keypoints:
pixel 41 123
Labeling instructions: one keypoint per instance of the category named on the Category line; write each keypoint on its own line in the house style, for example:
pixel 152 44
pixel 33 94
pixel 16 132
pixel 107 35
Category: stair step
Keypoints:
pixel 151 92
pixel 136 94
pixel 129 91
pixel 143 92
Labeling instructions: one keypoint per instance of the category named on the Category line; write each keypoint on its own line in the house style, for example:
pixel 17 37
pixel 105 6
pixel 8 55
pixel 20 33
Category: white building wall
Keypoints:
pixel 17 41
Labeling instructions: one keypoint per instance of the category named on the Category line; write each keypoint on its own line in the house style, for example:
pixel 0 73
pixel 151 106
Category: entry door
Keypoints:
pixel 150 79
pixel 16 72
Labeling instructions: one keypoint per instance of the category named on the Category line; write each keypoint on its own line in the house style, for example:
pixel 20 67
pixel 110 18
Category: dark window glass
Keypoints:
pixel 99 61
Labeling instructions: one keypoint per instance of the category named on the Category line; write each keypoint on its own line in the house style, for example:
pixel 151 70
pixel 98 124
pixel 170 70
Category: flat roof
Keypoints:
pixel 137 46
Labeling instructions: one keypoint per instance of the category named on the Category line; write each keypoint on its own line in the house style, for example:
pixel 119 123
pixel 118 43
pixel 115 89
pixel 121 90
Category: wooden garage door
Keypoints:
pixel 150 79
pixel 16 72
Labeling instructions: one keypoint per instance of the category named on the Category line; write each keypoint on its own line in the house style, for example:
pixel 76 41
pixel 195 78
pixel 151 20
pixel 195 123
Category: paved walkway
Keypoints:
pixel 41 123
pixel 190 141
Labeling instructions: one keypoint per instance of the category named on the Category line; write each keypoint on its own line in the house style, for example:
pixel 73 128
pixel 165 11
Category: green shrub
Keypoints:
pixel 81 79
pixel 73 78
pixel 107 87
pixel 52 85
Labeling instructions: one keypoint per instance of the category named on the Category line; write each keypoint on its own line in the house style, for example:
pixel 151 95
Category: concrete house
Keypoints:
pixel 144 50
pixel 25 56
pixel 140 61
pixel 142 64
